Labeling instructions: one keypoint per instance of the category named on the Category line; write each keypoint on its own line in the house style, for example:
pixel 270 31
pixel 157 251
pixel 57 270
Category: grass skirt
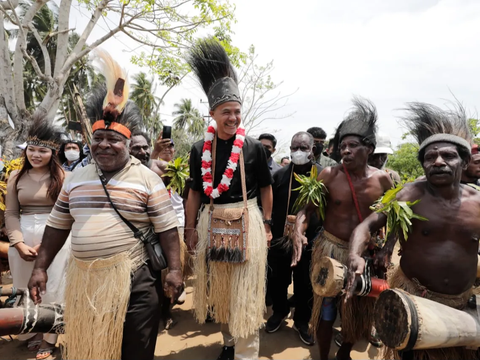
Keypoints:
pixel 357 313
pixel 96 301
pixel 397 279
pixel 234 293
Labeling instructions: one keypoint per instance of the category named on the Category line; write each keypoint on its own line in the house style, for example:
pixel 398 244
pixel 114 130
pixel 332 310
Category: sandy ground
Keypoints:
pixel 189 340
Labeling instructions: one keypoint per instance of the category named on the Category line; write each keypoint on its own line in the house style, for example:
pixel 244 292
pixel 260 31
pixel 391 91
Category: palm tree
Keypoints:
pixel 188 118
pixel 142 94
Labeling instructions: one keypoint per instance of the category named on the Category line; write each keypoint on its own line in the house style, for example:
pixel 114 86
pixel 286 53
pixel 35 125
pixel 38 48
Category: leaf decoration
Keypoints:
pixel 310 190
pixel 399 213
pixel 178 171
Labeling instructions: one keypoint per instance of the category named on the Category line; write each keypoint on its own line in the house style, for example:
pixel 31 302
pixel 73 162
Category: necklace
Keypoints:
pixel 231 165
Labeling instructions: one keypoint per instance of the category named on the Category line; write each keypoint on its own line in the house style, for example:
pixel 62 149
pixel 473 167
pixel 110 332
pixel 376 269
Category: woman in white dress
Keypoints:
pixel 31 194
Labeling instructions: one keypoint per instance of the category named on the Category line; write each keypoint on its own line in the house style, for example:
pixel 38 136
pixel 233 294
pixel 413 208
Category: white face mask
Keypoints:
pixel 72 155
pixel 300 157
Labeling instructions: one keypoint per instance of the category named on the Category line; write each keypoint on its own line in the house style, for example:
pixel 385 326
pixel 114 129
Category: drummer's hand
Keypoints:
pixel 268 230
pixel 37 285
pixel 191 239
pixel 173 285
pixel 299 241
pixel 356 266
pixel 382 260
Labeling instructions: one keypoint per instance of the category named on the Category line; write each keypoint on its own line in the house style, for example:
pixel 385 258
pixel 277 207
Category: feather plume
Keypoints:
pixel 210 62
pixel 424 120
pixel 43 133
pixel 117 86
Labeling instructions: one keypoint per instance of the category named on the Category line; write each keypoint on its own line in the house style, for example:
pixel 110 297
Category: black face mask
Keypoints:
pixel 267 152
pixel 318 149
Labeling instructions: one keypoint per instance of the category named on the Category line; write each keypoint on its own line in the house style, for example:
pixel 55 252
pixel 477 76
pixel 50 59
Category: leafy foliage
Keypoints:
pixel 189 118
pixel 312 191
pixel 143 94
pixel 178 171
pixel 399 213
pixel 404 161
pixel 475 129
pixel 6 168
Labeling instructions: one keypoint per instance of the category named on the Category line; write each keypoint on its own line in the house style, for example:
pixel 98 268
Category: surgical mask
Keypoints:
pixel 268 153
pixel 318 148
pixel 72 155
pixel 300 157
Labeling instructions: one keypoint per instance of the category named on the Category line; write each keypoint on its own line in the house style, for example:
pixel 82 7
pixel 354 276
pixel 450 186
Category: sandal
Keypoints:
pixel 45 353
pixel 33 345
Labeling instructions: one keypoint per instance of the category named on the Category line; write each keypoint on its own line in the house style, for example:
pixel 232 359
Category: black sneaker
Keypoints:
pixel 338 339
pixel 228 353
pixel 274 322
pixel 306 338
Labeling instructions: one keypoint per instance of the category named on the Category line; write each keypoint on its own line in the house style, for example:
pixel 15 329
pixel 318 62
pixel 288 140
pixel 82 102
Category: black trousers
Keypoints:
pixel 280 278
pixel 143 315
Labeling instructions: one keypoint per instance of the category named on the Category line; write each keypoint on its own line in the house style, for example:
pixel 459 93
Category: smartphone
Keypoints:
pixel 167 132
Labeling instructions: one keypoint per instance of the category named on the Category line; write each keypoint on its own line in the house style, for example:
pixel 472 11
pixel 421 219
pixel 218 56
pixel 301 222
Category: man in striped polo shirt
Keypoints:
pixel 113 295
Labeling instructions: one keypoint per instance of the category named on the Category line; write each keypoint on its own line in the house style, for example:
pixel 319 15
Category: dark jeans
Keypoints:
pixel 280 277
pixel 143 315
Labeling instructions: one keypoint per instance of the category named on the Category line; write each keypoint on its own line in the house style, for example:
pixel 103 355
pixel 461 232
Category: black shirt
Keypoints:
pixel 281 182
pixel 256 170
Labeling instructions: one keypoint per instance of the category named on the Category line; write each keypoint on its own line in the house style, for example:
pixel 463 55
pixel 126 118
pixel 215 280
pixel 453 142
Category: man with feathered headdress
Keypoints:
pixel 228 170
pixel 112 295
pixel 352 186
pixel 439 260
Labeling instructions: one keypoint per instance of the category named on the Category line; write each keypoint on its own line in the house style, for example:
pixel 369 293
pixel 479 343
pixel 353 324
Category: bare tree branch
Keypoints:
pixel 46 55
pixel 63 33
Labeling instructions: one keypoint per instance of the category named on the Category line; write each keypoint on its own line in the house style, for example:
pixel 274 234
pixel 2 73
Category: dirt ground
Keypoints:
pixel 189 340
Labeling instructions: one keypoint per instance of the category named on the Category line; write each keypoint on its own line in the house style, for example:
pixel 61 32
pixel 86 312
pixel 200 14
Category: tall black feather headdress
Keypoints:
pixel 43 133
pixel 361 121
pixel 211 65
pixel 429 124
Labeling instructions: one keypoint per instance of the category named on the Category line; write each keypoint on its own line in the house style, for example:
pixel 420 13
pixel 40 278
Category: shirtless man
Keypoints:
pixel 140 148
pixel 441 253
pixel 357 142
pixel 471 174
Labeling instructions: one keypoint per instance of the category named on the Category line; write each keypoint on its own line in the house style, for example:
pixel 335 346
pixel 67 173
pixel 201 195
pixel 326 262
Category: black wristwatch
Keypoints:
pixel 268 222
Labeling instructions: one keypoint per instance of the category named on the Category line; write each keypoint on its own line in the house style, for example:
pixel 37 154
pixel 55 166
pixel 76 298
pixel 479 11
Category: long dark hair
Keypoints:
pixel 41 129
pixel 57 174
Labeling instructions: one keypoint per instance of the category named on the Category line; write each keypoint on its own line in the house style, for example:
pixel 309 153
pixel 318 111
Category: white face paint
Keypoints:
pixel 300 157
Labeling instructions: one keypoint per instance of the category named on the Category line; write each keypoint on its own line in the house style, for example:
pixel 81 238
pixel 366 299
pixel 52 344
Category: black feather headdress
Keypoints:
pixel 361 121
pixel 429 124
pixel 43 133
pixel 211 65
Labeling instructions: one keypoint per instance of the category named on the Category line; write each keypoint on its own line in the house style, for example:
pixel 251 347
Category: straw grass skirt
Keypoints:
pixel 234 293
pixel 397 279
pixel 96 301
pixel 357 312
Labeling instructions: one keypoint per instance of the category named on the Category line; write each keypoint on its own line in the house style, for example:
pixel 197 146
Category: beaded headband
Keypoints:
pixel 35 141
pixel 114 126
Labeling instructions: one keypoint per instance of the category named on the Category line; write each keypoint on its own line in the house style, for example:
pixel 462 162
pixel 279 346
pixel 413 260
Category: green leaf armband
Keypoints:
pixel 399 213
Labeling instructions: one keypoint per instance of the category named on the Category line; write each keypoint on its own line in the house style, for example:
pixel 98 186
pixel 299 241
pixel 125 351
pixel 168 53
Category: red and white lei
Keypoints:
pixel 231 165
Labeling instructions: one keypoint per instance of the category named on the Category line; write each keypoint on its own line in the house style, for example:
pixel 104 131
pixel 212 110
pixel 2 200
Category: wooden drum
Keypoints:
pixel 330 279
pixel 408 322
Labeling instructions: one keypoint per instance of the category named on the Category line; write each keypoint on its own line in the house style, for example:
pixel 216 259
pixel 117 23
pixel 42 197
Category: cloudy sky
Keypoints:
pixel 389 51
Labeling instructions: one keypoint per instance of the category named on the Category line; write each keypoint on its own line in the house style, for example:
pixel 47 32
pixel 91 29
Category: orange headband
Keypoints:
pixel 115 126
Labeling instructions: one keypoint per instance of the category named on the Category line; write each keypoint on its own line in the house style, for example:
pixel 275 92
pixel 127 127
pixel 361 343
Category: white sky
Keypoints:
pixel 389 51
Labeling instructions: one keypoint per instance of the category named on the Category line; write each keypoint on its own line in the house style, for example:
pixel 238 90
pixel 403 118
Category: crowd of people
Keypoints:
pixel 94 227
